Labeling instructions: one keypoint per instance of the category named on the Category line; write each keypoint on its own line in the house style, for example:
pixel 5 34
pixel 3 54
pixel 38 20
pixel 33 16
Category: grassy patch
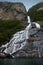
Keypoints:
pixel 40 22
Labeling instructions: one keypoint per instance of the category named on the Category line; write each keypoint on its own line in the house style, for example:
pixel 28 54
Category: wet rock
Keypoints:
pixel 31 49
pixel 2 55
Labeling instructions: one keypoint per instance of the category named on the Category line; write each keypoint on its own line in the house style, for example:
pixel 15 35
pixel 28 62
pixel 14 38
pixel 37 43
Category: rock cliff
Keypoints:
pixel 11 11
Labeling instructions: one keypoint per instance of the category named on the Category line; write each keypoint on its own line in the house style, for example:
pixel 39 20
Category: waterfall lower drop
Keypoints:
pixel 19 39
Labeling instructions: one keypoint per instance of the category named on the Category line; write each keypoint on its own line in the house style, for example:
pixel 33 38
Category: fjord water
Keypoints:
pixel 21 62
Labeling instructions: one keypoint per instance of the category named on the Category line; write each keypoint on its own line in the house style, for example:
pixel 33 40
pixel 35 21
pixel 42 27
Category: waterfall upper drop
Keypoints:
pixel 29 21
pixel 19 39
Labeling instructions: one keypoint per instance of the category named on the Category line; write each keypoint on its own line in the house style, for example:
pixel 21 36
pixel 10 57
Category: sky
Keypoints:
pixel 27 3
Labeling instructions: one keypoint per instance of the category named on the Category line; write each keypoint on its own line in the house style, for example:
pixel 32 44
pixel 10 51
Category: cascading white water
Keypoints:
pixel 29 21
pixel 19 39
pixel 16 43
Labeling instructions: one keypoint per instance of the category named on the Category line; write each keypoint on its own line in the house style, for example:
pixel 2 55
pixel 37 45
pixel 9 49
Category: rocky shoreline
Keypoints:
pixel 27 55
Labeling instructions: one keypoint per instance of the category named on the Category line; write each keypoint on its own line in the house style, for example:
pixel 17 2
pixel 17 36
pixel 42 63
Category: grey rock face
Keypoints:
pixel 34 48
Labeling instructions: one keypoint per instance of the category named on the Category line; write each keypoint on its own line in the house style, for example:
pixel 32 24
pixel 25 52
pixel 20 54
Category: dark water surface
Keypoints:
pixel 21 61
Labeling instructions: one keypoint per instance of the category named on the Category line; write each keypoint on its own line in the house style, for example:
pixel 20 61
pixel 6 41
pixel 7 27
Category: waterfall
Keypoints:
pixel 19 39
pixel 29 21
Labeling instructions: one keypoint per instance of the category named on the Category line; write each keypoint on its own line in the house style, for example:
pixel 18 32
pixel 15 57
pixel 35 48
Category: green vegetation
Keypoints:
pixel 35 14
pixel 8 28
pixel 40 22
